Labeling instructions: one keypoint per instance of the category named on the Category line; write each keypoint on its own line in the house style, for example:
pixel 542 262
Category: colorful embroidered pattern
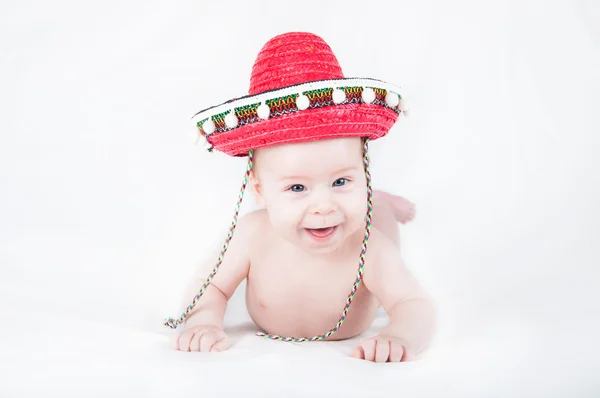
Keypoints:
pixel 353 94
pixel 380 97
pixel 319 98
pixel 247 114
pixel 282 105
pixel 199 125
pixel 287 104
pixel 219 121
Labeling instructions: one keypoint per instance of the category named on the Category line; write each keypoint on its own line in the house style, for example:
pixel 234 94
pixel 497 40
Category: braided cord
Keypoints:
pixel 173 323
pixel 361 266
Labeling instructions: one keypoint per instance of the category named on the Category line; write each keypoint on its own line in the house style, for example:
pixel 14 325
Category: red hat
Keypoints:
pixel 298 93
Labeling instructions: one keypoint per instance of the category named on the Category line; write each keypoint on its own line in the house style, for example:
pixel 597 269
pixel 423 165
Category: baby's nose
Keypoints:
pixel 323 210
pixel 323 204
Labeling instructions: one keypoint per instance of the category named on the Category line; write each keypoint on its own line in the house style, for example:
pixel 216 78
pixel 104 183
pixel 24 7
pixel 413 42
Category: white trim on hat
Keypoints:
pixel 295 89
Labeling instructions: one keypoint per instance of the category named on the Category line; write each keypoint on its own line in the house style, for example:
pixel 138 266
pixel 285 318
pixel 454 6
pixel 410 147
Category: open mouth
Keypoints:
pixel 321 233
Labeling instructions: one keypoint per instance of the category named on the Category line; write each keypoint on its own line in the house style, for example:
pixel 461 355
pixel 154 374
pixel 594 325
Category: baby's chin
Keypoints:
pixel 321 250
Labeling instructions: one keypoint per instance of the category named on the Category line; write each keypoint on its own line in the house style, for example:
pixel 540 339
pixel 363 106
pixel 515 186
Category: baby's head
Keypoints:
pixel 315 193
pixel 304 124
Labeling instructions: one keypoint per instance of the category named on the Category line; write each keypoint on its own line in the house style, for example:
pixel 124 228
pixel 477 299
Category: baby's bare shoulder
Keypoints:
pixel 255 219
pixel 255 235
pixel 386 273
pixel 252 226
pixel 381 249
pixel 383 256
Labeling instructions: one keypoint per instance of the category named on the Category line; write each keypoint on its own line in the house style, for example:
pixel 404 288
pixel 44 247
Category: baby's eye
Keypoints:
pixel 297 188
pixel 340 182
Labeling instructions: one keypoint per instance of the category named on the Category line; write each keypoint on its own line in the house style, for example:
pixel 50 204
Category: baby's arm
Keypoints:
pixel 409 307
pixel 204 325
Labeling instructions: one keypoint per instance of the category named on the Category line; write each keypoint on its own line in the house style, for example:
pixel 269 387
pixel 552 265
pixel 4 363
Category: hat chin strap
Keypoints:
pixel 173 323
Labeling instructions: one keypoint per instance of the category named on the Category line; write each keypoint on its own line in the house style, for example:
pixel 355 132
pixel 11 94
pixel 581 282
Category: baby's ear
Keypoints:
pixel 256 189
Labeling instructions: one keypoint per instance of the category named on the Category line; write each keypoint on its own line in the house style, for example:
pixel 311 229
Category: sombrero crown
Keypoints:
pixel 298 93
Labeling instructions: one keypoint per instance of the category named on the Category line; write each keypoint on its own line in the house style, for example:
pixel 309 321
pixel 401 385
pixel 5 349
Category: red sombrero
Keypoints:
pixel 299 93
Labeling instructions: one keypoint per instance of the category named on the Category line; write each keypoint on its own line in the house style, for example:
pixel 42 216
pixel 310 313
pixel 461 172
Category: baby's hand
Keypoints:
pixel 383 348
pixel 203 339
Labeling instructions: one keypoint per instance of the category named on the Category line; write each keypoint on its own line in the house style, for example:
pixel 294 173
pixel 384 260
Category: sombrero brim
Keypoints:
pixel 346 107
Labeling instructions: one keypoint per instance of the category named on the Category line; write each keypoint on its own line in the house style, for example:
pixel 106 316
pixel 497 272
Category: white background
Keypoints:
pixel 107 207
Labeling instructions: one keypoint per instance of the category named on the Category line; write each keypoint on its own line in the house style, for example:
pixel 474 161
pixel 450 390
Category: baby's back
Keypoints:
pixel 291 293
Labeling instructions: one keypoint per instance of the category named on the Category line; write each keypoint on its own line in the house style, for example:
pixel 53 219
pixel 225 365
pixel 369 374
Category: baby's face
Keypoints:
pixel 315 193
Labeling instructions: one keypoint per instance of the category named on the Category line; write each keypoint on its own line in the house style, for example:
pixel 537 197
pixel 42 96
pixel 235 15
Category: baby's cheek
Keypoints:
pixel 357 212
pixel 359 205
pixel 284 217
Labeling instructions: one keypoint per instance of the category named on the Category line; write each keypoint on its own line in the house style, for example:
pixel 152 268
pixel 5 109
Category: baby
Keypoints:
pixel 299 254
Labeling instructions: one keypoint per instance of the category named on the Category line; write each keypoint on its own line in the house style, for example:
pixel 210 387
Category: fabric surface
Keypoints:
pixel 71 356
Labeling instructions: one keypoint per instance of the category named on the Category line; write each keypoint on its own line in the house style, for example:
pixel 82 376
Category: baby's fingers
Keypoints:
pixel 195 343
pixel 182 342
pixel 382 350
pixel 221 345
pixel 210 339
pixel 357 352
pixel 396 351
pixel 366 350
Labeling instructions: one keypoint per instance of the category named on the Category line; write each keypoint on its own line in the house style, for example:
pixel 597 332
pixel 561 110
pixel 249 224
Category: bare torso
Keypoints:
pixel 289 293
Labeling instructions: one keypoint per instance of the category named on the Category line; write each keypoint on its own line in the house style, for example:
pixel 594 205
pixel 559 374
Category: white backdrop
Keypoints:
pixel 106 206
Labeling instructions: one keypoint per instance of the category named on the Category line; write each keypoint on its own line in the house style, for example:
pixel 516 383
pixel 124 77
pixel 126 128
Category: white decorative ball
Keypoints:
pixel 338 96
pixel 402 105
pixel 231 120
pixel 263 111
pixel 202 141
pixel 368 95
pixel 209 126
pixel 302 102
pixel 392 99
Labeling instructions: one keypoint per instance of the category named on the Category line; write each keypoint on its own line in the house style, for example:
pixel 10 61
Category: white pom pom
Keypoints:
pixel 302 102
pixel 231 120
pixel 368 95
pixel 202 141
pixel 402 105
pixel 263 111
pixel 338 96
pixel 209 126
pixel 392 99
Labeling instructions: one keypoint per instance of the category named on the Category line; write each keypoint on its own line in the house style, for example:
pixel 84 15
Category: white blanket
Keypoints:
pixel 70 356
